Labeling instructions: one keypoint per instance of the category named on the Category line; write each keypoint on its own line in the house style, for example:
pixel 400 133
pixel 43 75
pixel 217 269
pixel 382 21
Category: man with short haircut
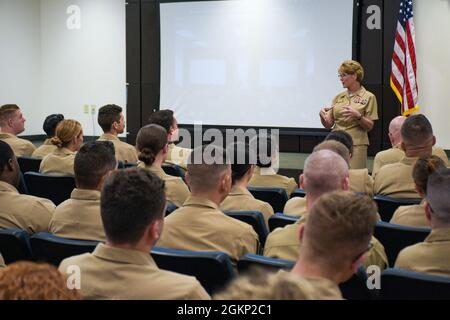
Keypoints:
pixel 25 212
pixel 395 180
pixel 112 122
pixel 325 171
pixel 334 241
pixel 12 123
pixel 132 209
pixel 395 154
pixel 79 217
pixel 199 225
pixel 432 255
pixel 49 127
pixel 176 155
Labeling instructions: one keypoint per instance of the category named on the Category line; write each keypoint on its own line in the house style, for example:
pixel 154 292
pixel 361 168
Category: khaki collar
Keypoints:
pixel 85 194
pixel 63 152
pixel 6 187
pixel 127 256
pixel 48 143
pixel 360 93
pixel 239 191
pixel 439 235
pixel 409 161
pixel 154 169
pixel 193 201
pixel 108 136
pixel 4 135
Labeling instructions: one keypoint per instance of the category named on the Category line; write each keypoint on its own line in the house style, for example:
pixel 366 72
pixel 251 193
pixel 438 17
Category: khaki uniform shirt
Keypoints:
pixel 46 148
pixel 25 212
pixel 79 217
pixel 363 101
pixel 431 256
pixel 361 181
pixel 21 147
pixel 179 156
pixel 284 243
pixel 199 225
pixel 176 190
pixel 413 216
pixel 295 207
pixel 2 262
pixel 114 273
pixel 395 154
pixel 395 180
pixel 124 152
pixel 272 181
pixel 240 199
pixel 59 162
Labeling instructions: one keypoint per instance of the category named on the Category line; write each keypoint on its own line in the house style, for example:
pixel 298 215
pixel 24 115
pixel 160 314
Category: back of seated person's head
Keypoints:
pixel 65 132
pixel 50 124
pixel 338 231
pixel 239 153
pixel 107 115
pixel 131 201
pixel 423 168
pixel 417 133
pixel 342 137
pixel 93 162
pixel 32 281
pixel 164 118
pixel 335 146
pixel 438 200
pixel 208 169
pixel 9 167
pixel 151 139
pixel 324 171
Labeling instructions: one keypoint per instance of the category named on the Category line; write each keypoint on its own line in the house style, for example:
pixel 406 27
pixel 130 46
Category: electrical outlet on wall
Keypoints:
pixel 93 108
pixel 86 108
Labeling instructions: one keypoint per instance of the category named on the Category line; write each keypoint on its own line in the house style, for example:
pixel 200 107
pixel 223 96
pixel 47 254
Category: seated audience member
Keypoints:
pixel 414 215
pixel 2 262
pixel 49 127
pixel 199 225
pixel 395 180
pixel 26 280
pixel 395 154
pixel 265 174
pixel 132 209
pixel 79 217
pixel 175 155
pixel 68 140
pixel 12 123
pixel 432 255
pixel 239 198
pixel 334 241
pixel 325 171
pixel 112 122
pixel 21 211
pixel 151 143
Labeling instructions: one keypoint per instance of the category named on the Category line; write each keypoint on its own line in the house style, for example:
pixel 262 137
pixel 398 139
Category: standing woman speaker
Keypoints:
pixel 353 111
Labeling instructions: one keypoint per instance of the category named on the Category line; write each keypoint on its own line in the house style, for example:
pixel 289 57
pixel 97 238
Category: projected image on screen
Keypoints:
pixel 253 62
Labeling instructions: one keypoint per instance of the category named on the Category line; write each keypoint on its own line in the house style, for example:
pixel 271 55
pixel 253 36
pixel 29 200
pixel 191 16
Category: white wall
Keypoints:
pixel 20 59
pixel 432 21
pixel 48 68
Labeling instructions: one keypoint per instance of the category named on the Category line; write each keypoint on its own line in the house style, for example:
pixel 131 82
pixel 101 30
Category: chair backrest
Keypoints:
pixel 251 260
pixel 170 208
pixel 212 269
pixel 29 164
pixel 55 188
pixel 276 197
pixel 395 237
pixel 404 284
pixel 14 245
pixel 280 220
pixel 253 218
pixel 173 170
pixel 388 205
pixel 356 288
pixel 52 249
pixel 298 193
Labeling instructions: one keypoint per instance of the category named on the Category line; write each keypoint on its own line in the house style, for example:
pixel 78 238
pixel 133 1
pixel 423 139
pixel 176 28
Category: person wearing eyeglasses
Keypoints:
pixel 353 111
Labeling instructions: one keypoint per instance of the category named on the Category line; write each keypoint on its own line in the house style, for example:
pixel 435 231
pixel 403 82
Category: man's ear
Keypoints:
pixel 402 145
pixel 10 165
pixel 434 140
pixel 346 184
pixel 428 212
pixel 358 262
pixel 187 179
pixel 301 180
pixel 301 231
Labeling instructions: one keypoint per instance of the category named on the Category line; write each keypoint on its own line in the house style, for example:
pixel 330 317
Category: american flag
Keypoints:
pixel 404 67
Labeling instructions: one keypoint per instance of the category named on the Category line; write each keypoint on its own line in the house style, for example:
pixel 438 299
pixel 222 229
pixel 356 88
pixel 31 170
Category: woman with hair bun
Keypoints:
pixel 414 215
pixel 68 140
pixel 152 147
